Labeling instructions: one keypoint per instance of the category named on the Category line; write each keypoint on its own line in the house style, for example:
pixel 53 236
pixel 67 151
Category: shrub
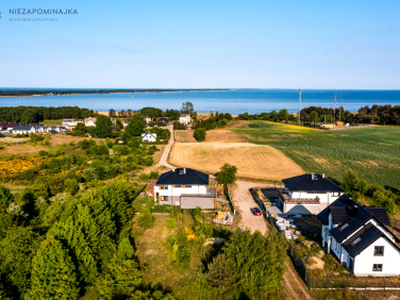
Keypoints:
pixel 171 224
pixel 43 153
pixel 149 161
pixel 200 134
pixel 146 219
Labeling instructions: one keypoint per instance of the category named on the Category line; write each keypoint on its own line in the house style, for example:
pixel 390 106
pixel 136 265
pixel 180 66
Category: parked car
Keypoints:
pixel 256 211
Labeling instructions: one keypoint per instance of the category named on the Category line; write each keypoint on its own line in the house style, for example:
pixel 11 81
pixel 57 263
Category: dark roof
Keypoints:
pixel 165 120
pixel 183 176
pixel 311 183
pixel 22 127
pixel 357 216
pixel 362 239
pixel 337 208
pixel 53 131
pixel 380 214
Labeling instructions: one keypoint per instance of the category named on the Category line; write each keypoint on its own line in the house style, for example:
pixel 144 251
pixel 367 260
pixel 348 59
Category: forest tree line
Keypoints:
pixel 36 114
pixel 376 114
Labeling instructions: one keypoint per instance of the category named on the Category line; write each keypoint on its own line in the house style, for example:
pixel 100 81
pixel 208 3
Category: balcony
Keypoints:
pixel 289 200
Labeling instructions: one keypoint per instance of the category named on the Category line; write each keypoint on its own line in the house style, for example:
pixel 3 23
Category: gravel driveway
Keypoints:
pixel 243 201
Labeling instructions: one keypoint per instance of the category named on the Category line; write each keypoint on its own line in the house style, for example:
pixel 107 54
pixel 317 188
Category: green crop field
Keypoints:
pixel 373 153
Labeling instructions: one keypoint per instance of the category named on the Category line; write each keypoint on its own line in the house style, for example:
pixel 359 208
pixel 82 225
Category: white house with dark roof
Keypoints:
pixel 149 137
pixel 357 236
pixel 185 187
pixel 24 130
pixel 307 194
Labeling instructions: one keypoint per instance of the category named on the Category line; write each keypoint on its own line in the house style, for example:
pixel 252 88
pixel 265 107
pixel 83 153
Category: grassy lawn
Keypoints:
pixel 373 153
pixel 55 122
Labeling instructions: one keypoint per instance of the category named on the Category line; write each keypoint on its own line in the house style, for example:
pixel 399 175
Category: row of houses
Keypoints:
pixel 16 128
pixel 37 129
pixel 72 123
pixel 358 236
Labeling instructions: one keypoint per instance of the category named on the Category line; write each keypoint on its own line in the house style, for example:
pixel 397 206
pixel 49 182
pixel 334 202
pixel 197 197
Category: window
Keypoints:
pixel 377 268
pixel 164 187
pixel 378 251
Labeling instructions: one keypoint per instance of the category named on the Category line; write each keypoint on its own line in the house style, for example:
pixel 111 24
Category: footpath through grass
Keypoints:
pixel 373 153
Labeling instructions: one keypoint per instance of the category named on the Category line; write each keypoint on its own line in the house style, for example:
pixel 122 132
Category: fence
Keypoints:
pixel 228 196
pixel 342 281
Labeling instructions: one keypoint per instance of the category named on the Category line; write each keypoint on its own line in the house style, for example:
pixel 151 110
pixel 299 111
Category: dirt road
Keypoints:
pixel 164 157
pixel 243 201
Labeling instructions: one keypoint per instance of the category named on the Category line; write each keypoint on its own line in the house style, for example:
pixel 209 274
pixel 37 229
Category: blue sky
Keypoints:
pixel 203 44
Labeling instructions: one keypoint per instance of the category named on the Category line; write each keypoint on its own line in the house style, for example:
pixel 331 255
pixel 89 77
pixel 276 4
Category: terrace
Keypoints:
pixel 287 199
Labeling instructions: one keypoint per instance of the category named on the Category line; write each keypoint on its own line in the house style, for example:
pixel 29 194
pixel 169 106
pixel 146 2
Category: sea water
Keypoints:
pixel 232 101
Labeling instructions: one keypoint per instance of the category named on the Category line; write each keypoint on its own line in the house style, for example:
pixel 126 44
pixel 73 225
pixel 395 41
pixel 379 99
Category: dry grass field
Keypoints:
pixel 23 146
pixel 58 139
pixel 253 161
pixel 217 135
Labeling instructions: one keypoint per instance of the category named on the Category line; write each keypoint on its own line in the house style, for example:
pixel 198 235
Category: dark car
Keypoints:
pixel 256 211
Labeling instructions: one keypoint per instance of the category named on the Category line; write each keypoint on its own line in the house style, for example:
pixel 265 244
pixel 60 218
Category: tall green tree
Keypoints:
pixel 220 273
pixel 53 273
pixel 123 274
pixel 257 261
pixel 134 128
pixel 80 234
pixel 187 108
pixel 349 181
pixel 103 127
pixel 17 250
pixel 227 174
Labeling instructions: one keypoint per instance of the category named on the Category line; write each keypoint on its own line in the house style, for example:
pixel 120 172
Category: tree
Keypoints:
pixel 219 274
pixel 256 261
pixel 187 108
pixel 118 125
pixel 5 198
pixel 103 127
pixel 17 250
pixel 123 274
pixel 134 128
pixel 283 115
pixel 53 273
pixel 200 134
pixel 313 117
pixel 349 181
pixel 111 113
pixel 227 174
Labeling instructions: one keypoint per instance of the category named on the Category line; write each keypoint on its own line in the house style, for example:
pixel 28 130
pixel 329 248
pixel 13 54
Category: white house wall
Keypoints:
pixel 366 259
pixel 178 191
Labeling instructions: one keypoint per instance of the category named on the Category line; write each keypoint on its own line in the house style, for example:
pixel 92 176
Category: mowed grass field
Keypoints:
pixel 253 161
pixel 373 153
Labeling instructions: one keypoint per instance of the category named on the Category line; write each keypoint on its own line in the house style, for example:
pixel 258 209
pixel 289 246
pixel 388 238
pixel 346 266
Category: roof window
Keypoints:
pixel 356 241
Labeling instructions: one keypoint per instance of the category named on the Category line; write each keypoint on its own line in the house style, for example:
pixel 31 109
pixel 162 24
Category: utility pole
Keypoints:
pixel 334 110
pixel 298 115
pixel 340 109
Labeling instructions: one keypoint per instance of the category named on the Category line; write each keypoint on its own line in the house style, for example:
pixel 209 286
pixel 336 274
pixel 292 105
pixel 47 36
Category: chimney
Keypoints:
pixel 173 170
pixel 313 177
pixel 184 170
pixel 323 175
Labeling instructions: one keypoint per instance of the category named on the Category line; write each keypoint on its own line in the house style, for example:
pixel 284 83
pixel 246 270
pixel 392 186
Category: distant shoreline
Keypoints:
pixel 61 92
